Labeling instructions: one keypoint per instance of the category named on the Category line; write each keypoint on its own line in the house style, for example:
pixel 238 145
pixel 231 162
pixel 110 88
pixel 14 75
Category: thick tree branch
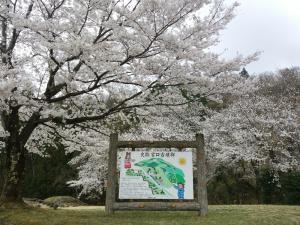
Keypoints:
pixel 102 116
pixel 32 123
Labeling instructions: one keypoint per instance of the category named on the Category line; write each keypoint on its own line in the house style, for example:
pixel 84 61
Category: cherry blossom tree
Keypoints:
pixel 253 122
pixel 68 66
pixel 168 123
pixel 260 128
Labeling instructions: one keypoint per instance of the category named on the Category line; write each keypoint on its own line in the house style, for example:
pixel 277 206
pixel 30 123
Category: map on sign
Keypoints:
pixel 156 175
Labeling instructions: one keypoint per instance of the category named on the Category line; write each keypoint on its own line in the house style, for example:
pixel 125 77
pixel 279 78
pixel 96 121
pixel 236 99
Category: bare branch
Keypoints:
pixel 85 18
pixel 29 10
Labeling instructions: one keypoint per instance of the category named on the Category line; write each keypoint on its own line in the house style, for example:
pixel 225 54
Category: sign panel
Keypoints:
pixel 156 175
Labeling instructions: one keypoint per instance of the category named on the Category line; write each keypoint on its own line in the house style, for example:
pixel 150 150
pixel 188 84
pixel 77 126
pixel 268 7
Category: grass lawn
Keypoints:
pixel 220 215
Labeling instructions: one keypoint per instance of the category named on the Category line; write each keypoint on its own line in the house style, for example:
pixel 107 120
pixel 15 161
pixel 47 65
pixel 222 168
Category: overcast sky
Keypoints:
pixel 269 26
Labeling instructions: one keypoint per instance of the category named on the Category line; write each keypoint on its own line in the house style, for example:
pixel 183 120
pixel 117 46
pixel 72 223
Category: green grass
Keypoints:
pixel 219 215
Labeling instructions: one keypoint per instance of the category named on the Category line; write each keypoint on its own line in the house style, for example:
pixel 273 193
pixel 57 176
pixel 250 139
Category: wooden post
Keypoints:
pixel 201 176
pixel 112 174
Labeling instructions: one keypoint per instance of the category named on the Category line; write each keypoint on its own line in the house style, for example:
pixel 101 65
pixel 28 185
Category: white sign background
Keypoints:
pixel 136 176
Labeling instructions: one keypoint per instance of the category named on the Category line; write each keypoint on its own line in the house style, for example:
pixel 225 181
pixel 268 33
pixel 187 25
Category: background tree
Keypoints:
pixel 262 123
pixel 180 122
pixel 47 175
pixel 244 73
pixel 251 129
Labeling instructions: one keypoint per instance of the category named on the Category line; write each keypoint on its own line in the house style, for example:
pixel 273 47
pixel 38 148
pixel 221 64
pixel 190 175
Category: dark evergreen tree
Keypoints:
pixel 244 73
pixel 48 176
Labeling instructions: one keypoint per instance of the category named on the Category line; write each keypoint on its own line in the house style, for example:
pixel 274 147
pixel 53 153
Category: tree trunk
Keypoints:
pixel 15 166
pixel 15 162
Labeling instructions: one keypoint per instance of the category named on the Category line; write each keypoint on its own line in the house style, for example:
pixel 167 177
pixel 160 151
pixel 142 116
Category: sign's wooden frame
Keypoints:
pixel 200 204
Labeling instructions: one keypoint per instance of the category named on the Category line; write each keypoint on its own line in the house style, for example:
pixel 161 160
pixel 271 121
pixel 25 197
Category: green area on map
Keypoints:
pixel 159 174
